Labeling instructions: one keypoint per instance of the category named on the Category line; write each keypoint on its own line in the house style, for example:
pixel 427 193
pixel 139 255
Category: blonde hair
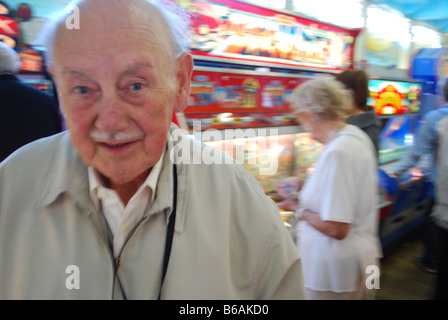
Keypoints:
pixel 325 97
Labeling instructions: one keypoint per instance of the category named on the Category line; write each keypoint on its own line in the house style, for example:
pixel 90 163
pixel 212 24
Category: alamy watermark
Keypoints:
pixel 72 281
pixel 372 279
pixel 73 20
pixel 264 154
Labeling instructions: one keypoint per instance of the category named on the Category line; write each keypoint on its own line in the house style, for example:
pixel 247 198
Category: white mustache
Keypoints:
pixel 118 136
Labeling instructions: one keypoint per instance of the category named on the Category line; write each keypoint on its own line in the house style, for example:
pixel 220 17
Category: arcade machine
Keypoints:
pixel 430 65
pixel 32 70
pixel 410 201
pixel 398 103
pixel 247 61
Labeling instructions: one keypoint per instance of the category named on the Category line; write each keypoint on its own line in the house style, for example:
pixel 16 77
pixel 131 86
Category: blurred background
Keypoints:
pixel 249 56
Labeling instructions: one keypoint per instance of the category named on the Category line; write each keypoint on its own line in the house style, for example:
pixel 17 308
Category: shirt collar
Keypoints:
pixel 95 183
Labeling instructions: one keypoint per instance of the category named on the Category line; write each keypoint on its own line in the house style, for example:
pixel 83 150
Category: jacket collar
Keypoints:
pixel 67 174
pixel 8 76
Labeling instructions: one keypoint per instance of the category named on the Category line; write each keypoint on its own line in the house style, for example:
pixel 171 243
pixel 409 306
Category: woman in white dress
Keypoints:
pixel 337 236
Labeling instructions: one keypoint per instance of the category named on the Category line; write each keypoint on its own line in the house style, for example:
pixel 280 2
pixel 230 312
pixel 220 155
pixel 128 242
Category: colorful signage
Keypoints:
pixel 32 60
pixel 394 97
pixel 235 30
pixel 10 33
pixel 222 98
pixel 9 26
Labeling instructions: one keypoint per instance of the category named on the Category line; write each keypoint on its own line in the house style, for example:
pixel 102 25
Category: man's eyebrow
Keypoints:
pixel 136 67
pixel 128 70
pixel 73 72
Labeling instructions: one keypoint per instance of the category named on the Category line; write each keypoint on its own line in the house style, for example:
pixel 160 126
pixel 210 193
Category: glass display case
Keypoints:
pixel 272 158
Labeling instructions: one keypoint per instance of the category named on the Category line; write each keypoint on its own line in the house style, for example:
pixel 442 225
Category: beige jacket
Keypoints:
pixel 229 240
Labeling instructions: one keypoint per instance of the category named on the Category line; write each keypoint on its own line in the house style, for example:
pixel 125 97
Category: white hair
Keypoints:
pixel 325 97
pixel 176 22
pixel 9 59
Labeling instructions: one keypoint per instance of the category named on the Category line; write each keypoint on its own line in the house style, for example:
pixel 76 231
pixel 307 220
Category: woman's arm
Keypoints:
pixel 333 229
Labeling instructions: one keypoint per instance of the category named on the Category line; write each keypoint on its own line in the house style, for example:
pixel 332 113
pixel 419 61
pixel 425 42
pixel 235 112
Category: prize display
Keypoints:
pixel 224 98
pixel 248 60
pixel 273 158
pixel 239 31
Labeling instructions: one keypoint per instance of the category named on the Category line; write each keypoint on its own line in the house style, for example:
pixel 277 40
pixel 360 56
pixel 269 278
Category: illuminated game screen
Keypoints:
pixel 394 97
pixel 32 61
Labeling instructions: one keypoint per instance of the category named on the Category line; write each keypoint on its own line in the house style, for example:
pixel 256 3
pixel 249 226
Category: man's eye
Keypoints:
pixel 136 86
pixel 81 90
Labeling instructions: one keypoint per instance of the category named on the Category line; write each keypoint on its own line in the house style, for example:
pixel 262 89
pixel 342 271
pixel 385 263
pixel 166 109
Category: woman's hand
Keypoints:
pixel 289 204
pixel 288 190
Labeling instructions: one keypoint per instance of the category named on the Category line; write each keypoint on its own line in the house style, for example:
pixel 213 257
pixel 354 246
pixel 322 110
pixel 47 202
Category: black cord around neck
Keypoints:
pixel 168 241
pixel 170 231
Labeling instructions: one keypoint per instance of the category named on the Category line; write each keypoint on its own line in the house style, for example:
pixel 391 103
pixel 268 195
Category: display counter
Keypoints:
pixel 273 156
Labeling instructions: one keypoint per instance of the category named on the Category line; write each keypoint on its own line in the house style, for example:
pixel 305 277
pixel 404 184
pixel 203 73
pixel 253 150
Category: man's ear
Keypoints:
pixel 184 70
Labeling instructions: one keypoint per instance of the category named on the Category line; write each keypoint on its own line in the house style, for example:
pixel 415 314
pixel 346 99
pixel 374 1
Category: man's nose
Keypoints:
pixel 111 115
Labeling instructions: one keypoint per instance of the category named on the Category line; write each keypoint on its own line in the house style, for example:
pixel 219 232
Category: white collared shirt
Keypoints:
pixel 122 220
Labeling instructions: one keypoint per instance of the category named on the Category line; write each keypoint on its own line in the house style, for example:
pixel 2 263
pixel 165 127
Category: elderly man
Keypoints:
pixel 105 210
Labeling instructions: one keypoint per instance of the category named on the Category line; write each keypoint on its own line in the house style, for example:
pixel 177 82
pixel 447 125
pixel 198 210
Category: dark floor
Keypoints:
pixel 401 278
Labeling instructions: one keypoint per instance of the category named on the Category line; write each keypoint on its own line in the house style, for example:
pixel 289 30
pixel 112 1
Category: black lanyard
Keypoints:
pixel 170 231
pixel 168 239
